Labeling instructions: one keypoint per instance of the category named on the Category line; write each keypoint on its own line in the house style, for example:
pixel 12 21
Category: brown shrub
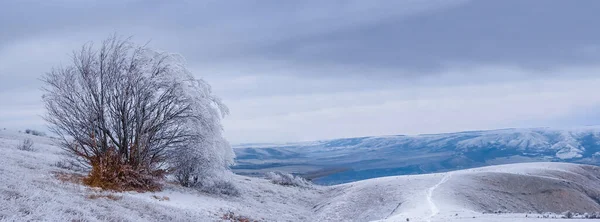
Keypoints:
pixel 110 173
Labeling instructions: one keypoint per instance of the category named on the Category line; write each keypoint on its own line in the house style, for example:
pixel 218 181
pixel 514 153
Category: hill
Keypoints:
pixel 352 159
pixel 36 186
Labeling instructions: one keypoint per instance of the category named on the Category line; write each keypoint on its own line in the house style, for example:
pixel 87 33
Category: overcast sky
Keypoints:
pixel 313 69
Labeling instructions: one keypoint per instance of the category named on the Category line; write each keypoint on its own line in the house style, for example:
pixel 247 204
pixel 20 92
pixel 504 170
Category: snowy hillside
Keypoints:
pixel 36 186
pixel 346 160
pixel 470 195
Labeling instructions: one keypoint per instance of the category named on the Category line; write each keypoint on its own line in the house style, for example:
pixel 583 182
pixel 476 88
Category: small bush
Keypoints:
pixel 71 165
pixel 26 145
pixel 220 187
pixel 286 179
pixel 35 132
pixel 110 173
pixel 230 216
pixel 567 215
pixel 184 172
pixel 63 165
pixel 595 215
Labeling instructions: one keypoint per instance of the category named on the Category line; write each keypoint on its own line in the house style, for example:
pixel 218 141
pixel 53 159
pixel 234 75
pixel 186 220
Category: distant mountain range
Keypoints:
pixel 352 159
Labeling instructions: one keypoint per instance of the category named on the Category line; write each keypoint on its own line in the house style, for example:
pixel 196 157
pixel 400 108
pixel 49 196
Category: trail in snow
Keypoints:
pixel 432 206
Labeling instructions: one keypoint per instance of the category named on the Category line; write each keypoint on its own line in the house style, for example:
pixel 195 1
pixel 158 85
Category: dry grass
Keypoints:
pixel 107 196
pixel 68 177
pixel 26 145
pixel 109 173
pixel 163 198
pixel 230 216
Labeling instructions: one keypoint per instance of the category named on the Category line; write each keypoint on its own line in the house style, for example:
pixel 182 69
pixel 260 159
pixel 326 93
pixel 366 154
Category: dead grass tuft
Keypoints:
pixel 107 196
pixel 68 177
pixel 163 198
pixel 230 216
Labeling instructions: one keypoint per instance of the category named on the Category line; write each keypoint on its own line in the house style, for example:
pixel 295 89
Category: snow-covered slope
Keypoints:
pixel 352 159
pixel 33 187
pixel 459 195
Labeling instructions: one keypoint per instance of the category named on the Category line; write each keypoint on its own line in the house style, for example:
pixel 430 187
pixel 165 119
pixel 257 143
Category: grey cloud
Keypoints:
pixel 367 38
pixel 410 35
pixel 539 34
pixel 262 55
pixel 202 30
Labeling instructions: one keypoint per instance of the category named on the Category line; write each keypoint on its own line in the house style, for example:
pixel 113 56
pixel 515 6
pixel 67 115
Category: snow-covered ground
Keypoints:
pixel 30 190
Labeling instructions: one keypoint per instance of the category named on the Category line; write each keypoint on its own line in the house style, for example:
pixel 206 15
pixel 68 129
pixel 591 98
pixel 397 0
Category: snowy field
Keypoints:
pixel 33 187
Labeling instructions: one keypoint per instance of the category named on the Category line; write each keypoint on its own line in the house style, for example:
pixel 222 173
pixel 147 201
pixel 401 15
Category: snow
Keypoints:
pixel 29 190
pixel 394 155
pixel 569 152
pixel 430 201
pixel 534 139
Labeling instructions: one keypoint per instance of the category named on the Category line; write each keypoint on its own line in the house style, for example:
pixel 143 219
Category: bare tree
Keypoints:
pixel 124 109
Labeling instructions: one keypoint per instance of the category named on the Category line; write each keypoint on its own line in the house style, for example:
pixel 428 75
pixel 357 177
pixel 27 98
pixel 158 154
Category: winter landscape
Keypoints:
pixel 316 111
pixel 39 185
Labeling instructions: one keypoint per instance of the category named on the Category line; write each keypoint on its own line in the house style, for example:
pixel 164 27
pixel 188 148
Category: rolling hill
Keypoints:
pixel 33 187
pixel 352 159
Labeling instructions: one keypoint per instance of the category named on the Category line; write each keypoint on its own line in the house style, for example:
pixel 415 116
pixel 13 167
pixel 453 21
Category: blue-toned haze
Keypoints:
pixel 352 159
pixel 311 70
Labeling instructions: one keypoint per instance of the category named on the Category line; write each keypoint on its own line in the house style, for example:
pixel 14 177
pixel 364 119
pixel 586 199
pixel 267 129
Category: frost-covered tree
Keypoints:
pixel 206 153
pixel 130 113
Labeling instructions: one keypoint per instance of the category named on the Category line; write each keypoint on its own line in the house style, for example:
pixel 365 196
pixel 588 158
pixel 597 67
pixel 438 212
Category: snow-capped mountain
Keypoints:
pixel 352 159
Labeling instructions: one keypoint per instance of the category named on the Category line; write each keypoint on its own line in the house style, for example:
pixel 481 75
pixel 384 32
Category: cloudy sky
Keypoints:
pixel 309 70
